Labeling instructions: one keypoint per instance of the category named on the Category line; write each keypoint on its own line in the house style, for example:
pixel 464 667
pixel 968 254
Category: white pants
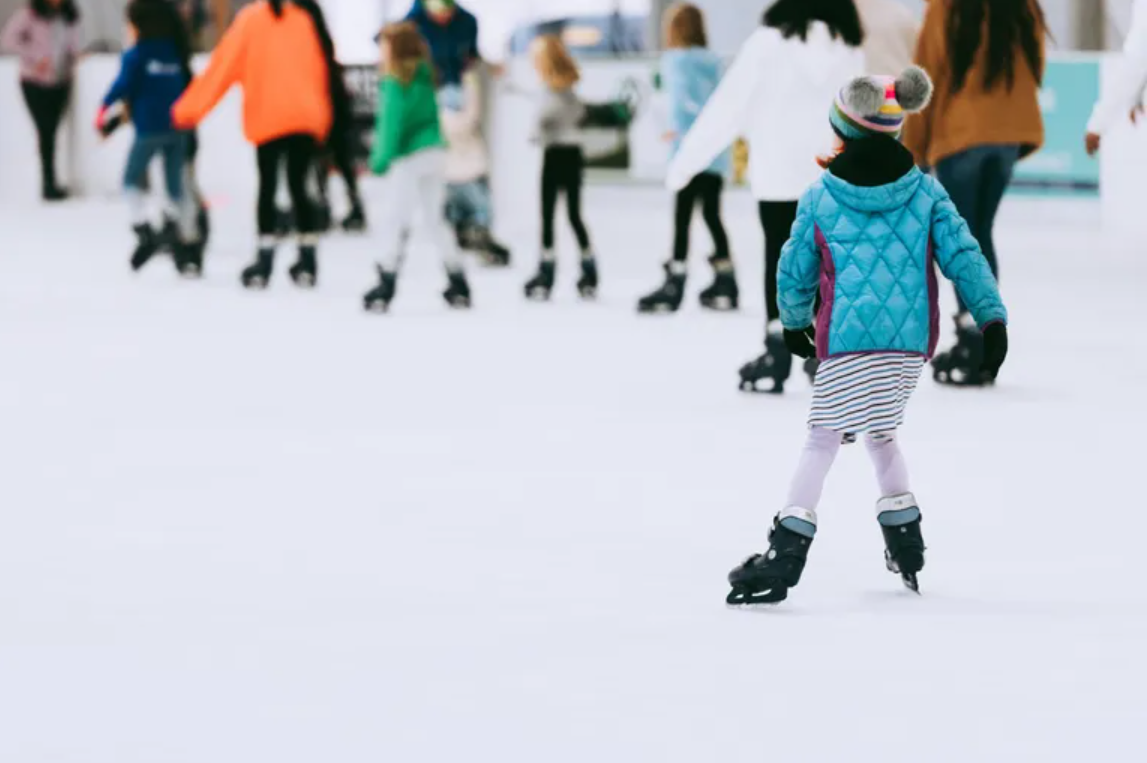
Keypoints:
pixel 416 192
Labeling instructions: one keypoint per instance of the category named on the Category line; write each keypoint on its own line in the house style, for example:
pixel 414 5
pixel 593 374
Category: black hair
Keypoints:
pixel 1013 25
pixel 155 20
pixel 793 18
pixel 66 10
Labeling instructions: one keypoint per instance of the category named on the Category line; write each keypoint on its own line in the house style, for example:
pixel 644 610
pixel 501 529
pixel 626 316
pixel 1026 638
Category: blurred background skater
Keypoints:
pixel 890 35
pixel 281 53
pixel 340 153
pixel 987 60
pixel 877 218
pixel 558 131
pixel 690 74
pixel 774 95
pixel 410 152
pixel 153 75
pixel 45 35
pixel 1123 97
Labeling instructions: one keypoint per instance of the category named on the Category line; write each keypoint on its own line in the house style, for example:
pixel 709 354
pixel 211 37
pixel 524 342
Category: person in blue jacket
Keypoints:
pixel 868 237
pixel 690 74
pixel 153 75
pixel 451 31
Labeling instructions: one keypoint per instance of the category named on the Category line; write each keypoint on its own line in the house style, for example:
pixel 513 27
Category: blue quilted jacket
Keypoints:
pixel 872 252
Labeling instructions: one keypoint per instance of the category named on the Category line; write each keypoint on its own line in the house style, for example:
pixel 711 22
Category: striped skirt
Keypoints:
pixel 855 394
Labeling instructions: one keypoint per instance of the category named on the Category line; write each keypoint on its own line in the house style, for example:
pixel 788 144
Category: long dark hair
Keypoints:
pixel 1012 25
pixel 793 18
pixel 67 10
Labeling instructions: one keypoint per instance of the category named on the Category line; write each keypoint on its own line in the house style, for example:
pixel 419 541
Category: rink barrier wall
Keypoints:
pixel 93 167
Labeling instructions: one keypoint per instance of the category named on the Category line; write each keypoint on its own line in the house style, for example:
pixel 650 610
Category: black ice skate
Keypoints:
pixel 355 222
pixel 491 253
pixel 666 299
pixel 147 244
pixel 541 285
pixel 587 283
pixel 189 259
pixel 766 578
pixel 811 366
pixel 961 365
pixel 305 270
pixel 899 518
pixel 378 299
pixel 258 274
pixel 768 373
pixel 723 294
pixel 203 222
pixel 457 293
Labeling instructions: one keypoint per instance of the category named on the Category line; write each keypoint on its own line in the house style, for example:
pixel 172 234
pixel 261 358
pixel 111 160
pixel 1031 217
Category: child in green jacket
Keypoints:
pixel 410 152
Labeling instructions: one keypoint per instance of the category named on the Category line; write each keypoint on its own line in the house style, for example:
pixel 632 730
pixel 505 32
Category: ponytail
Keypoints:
pixel 276 7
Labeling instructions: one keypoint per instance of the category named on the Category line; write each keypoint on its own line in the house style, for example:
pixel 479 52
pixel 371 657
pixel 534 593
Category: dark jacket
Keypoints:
pixel 453 45
pixel 152 77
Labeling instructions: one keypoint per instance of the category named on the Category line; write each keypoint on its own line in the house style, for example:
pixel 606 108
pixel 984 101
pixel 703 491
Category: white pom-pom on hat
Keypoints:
pixel 863 96
pixel 914 89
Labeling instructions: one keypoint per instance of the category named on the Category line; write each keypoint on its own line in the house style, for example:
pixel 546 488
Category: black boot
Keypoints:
pixel 541 285
pixel 258 274
pixel 587 283
pixel 666 299
pixel 305 271
pixel 775 366
pixel 961 366
pixel 766 578
pixel 189 259
pixel 899 518
pixel 378 299
pixel 355 222
pixel 457 293
pixel 723 294
pixel 147 244
pixel 490 252
pixel 203 223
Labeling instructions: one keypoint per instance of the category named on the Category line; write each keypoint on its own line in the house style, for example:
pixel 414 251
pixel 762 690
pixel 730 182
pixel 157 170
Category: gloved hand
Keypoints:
pixel 801 343
pixel 995 348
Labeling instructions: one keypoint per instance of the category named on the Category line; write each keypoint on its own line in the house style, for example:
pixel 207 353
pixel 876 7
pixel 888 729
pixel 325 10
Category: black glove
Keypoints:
pixel 801 343
pixel 995 348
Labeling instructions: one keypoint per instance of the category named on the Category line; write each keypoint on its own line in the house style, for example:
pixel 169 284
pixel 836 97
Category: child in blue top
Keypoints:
pixel 690 74
pixel 153 75
pixel 868 237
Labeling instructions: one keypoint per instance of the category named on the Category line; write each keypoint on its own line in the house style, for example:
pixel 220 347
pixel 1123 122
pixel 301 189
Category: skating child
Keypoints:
pixel 410 152
pixel 690 73
pixel 867 233
pixel 558 130
pixel 152 77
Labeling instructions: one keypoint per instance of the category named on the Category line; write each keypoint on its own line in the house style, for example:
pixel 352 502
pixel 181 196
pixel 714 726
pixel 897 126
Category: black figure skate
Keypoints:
pixel 457 293
pixel 305 270
pixel 667 299
pixel 899 518
pixel 147 244
pixel 723 295
pixel 541 286
pixel 774 367
pixel 587 282
pixel 961 366
pixel 258 274
pixel 490 252
pixel 766 578
pixel 378 299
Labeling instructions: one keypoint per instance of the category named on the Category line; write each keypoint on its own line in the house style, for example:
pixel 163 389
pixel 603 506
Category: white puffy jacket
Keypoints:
pixel 1125 91
pixel 777 95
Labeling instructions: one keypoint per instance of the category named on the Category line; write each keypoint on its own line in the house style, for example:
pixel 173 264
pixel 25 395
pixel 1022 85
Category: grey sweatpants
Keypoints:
pixel 416 191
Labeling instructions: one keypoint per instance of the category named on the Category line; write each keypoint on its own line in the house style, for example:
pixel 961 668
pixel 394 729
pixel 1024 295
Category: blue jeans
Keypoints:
pixel 469 203
pixel 171 147
pixel 976 180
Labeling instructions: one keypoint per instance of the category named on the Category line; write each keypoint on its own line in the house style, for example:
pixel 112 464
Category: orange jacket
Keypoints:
pixel 279 61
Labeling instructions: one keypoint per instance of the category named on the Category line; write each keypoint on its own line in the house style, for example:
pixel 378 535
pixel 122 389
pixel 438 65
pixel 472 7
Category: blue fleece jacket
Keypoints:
pixel 151 79
pixel 690 76
pixel 453 45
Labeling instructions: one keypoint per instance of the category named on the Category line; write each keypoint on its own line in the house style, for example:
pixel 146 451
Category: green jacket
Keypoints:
pixel 407 119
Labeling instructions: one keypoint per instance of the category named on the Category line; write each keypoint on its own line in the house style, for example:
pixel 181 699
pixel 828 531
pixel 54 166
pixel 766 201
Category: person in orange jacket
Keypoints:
pixel 280 51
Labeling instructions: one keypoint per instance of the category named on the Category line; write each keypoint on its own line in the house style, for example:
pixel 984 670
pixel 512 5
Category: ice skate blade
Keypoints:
pixel 911 582
pixel 658 309
pixel 751 388
pixel 719 305
pixel 739 597
pixel 589 295
pixel 377 306
pixel 304 280
pixel 458 304
pixel 258 283
pixel 538 295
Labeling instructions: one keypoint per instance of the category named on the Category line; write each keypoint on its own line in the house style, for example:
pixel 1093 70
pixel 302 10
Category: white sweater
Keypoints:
pixel 777 95
pixel 1125 91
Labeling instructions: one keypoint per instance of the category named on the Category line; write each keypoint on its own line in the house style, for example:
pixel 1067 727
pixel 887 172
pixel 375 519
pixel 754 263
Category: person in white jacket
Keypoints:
pixel 774 95
pixel 1125 93
pixel 890 34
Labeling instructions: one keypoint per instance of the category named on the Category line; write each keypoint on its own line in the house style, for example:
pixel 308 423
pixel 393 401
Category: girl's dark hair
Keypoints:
pixel 67 10
pixel 793 18
pixel 1012 25
pixel 154 20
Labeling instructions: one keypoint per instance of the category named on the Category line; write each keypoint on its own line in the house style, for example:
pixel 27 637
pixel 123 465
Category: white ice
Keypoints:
pixel 238 527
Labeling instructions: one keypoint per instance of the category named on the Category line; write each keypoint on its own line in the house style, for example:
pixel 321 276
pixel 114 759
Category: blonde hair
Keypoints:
pixel 685 27
pixel 554 62
pixel 406 51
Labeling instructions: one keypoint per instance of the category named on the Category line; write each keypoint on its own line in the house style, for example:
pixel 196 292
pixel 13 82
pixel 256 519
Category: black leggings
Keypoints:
pixel 563 168
pixel 47 104
pixel 777 218
pixel 706 187
pixel 300 152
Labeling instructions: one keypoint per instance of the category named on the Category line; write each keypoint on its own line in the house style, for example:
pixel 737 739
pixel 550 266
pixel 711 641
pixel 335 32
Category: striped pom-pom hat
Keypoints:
pixel 869 106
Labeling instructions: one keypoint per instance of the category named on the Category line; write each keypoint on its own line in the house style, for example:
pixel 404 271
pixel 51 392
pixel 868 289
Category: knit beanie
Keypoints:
pixel 869 106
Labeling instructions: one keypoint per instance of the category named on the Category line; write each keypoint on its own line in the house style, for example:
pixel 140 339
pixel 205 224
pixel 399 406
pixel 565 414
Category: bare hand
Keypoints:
pixel 1091 142
pixel 669 136
pixel 1136 113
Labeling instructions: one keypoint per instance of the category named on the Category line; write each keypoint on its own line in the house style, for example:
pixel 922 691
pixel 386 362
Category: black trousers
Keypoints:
pixel 705 188
pixel 563 171
pixel 47 103
pixel 299 153
pixel 777 218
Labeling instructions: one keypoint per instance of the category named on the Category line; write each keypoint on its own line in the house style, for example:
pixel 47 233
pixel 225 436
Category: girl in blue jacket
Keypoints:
pixel 690 74
pixel 868 236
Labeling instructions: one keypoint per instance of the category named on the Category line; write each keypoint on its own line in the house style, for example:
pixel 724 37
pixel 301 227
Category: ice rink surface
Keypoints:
pixel 238 528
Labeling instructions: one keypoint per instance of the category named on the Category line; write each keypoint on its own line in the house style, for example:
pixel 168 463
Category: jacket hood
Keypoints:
pixel 873 175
